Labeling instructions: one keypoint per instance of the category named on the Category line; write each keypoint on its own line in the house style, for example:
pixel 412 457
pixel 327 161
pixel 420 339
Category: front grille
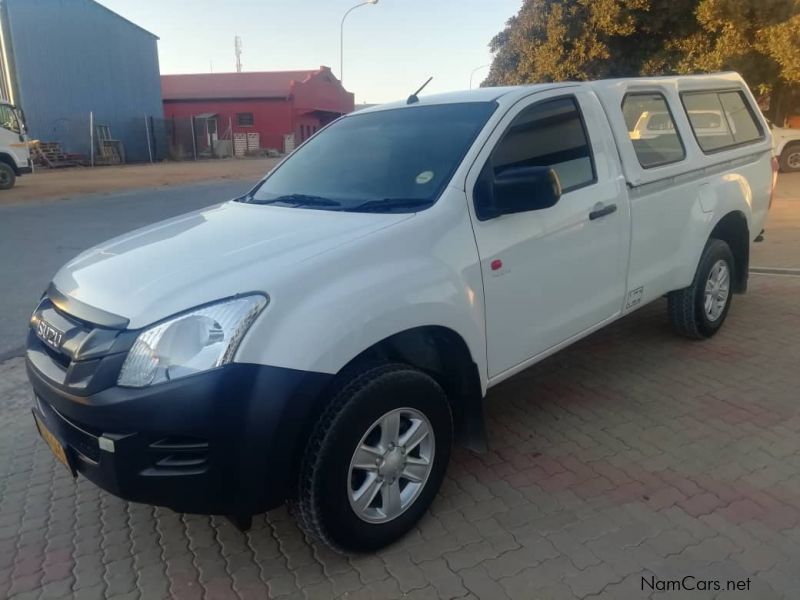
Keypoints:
pixel 58 357
pixel 89 356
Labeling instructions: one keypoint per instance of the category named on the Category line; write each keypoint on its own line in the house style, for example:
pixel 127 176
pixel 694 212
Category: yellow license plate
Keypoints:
pixel 55 445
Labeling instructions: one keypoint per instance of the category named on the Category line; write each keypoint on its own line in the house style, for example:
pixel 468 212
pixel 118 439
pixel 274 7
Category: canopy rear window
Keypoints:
pixel 721 119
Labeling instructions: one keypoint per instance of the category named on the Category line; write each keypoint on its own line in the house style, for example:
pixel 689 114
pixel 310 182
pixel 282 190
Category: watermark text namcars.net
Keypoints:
pixel 690 583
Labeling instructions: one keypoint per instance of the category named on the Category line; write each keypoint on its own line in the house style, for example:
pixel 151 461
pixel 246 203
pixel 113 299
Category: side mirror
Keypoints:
pixel 525 188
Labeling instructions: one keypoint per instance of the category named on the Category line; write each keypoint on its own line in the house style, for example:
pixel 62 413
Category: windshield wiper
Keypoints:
pixel 387 204
pixel 299 200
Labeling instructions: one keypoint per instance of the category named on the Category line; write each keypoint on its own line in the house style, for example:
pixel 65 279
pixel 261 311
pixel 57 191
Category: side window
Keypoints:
pixel 721 119
pixel 8 119
pixel 708 121
pixel 244 119
pixel 740 117
pixel 651 129
pixel 548 134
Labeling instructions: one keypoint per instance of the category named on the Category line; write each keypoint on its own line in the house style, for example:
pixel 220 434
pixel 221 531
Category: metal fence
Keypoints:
pixel 193 138
pixel 198 137
pixel 89 139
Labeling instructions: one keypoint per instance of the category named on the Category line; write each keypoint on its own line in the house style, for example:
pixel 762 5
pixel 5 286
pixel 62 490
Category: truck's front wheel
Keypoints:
pixel 790 158
pixel 699 310
pixel 376 458
pixel 7 176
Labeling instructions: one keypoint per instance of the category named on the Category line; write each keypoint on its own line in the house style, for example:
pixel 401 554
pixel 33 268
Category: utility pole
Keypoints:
pixel 237 45
pixel 341 37
pixel 475 70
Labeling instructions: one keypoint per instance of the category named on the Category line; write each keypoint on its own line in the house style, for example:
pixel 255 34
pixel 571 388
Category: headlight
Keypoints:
pixel 192 342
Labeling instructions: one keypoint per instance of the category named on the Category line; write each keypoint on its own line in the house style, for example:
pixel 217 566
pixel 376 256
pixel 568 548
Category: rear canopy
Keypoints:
pixel 613 92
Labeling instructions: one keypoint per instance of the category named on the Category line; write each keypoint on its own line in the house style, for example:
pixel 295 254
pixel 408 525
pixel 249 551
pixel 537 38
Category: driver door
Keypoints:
pixel 553 274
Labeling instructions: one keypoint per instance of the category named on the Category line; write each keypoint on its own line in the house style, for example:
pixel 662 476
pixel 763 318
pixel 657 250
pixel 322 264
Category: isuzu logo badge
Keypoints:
pixel 49 334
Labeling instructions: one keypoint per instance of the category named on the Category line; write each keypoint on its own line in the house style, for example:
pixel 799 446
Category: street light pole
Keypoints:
pixel 341 37
pixel 476 69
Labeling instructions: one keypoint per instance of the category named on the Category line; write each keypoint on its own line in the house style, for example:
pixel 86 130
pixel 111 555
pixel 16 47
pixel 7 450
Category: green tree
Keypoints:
pixel 758 38
pixel 550 40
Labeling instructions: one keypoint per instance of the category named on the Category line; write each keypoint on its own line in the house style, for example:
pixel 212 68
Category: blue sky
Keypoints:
pixel 390 48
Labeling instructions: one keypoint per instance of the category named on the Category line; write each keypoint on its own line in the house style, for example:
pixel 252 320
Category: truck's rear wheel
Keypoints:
pixel 790 158
pixel 376 458
pixel 7 176
pixel 699 310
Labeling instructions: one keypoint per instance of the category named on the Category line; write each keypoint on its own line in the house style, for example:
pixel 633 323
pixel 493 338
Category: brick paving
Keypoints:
pixel 634 454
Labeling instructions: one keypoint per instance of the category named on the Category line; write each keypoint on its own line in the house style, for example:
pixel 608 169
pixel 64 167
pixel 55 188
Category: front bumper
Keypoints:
pixel 220 442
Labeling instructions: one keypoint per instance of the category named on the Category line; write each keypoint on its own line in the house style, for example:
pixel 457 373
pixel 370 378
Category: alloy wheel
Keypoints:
pixel 717 290
pixel 391 465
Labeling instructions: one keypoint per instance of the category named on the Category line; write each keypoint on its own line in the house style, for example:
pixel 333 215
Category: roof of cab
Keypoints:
pixel 491 94
pixel 484 94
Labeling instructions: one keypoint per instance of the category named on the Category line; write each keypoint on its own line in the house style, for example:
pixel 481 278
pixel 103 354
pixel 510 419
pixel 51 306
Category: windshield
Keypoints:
pixel 395 160
pixel 8 118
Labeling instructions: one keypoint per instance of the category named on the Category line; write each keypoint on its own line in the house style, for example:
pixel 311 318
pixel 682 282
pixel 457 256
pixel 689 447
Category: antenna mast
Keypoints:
pixel 237 44
pixel 413 98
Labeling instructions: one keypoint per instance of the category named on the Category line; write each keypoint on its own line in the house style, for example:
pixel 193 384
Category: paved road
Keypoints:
pixel 633 454
pixel 36 238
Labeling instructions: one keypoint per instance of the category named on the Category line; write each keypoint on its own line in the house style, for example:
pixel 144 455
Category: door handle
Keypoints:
pixel 601 211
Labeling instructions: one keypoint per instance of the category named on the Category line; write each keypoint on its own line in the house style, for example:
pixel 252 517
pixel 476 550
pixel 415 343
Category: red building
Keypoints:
pixel 267 106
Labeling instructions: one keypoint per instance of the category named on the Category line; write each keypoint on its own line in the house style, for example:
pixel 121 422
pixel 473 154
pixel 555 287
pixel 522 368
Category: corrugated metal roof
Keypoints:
pixel 212 86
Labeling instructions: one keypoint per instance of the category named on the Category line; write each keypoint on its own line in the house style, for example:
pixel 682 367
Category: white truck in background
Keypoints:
pixel 15 156
pixel 786 147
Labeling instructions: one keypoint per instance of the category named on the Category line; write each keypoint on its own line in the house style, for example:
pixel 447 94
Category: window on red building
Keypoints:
pixel 244 119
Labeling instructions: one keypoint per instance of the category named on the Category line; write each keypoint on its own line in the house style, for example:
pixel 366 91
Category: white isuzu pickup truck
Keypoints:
pixel 323 339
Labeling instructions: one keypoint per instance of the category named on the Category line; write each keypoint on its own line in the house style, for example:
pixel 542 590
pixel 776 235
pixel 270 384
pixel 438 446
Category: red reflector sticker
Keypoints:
pixel 497 264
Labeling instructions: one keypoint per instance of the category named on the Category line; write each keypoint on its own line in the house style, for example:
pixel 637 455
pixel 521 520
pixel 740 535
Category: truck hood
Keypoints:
pixel 202 256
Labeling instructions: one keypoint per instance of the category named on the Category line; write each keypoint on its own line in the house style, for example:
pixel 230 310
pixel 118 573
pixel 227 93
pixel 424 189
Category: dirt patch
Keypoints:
pixel 77 181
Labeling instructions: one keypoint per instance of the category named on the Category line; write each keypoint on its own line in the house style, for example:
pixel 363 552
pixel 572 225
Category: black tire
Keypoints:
pixel 7 176
pixel 323 506
pixel 686 307
pixel 790 158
